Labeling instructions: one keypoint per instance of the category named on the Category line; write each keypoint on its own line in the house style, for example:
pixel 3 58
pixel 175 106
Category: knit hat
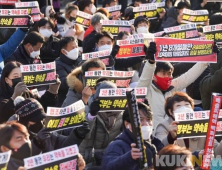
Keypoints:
pixel 29 109
pixel 139 19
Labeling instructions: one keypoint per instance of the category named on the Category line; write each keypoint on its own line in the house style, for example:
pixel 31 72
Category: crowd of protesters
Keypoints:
pixel 105 139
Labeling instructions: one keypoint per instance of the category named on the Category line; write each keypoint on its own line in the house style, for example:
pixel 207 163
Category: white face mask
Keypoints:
pixel 45 33
pixel 34 54
pixel 93 9
pixel 183 109
pixel 142 30
pixel 146 132
pixel 73 54
pixel 105 47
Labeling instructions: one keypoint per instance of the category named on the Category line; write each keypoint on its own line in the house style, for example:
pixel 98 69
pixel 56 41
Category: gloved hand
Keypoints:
pixel 151 51
pixel 54 88
pixel 30 23
pixel 111 61
pixel 215 48
pixel 145 49
pixel 115 51
pixel 41 137
pixel 19 89
pixel 94 108
pixel 83 130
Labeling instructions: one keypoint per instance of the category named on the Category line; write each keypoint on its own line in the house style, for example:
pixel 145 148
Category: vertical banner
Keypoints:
pixel 150 10
pixel 182 50
pixel 198 16
pixel 136 127
pixel 213 32
pixel 115 26
pixel 8 2
pixel 209 144
pixel 83 18
pixel 104 56
pixel 60 159
pixel 64 118
pixel 33 9
pixel 4 159
pixel 186 31
pixel 39 74
pixel 131 47
pixel 114 10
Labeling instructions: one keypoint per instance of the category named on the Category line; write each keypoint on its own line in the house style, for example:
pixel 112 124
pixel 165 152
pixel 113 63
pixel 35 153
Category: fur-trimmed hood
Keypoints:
pixel 73 81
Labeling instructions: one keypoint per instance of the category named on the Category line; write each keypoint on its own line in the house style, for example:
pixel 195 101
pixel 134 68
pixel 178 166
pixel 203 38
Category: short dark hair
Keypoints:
pixel 103 34
pixel 65 40
pixel 44 21
pixel 173 152
pixel 163 66
pixel 216 19
pixel 94 62
pixel 33 38
pixel 108 2
pixel 121 34
pixel 183 4
pixel 84 3
pixel 7 130
pixel 5 73
pixel 177 97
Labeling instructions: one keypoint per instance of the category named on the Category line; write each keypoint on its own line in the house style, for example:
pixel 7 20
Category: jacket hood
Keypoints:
pixel 74 82
pixel 172 12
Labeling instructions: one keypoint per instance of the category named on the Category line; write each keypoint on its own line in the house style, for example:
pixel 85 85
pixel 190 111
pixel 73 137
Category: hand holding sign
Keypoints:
pixel 83 130
pixel 19 89
pixel 54 88
pixel 135 152
pixel 173 129
pixel 151 51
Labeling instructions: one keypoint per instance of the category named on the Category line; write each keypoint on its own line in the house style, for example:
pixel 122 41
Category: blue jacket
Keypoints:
pixel 117 155
pixel 10 46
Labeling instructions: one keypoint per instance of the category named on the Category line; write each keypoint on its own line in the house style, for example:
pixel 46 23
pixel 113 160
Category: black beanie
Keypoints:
pixel 29 109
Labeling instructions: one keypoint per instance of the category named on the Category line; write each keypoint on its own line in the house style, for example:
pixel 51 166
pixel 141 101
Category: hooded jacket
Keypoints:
pixel 118 154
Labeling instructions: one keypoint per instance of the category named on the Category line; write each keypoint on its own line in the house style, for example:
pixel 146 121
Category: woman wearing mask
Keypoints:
pixel 51 47
pixel 122 152
pixel 11 86
pixel 166 131
pixel 70 17
pixel 68 60
pixel 141 25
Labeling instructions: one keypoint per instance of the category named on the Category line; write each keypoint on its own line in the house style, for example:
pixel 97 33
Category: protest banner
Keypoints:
pixel 65 118
pixel 60 159
pixel 13 11
pixel 14 21
pixel 8 2
pixel 186 31
pixel 158 1
pixel 213 32
pixel 114 10
pixel 131 47
pixel 195 124
pixel 160 6
pixel 120 78
pixel 115 99
pixel 39 74
pixel 177 50
pixel 33 9
pixel 159 34
pixel 115 26
pixel 83 18
pixel 198 16
pixel 131 22
pixel 104 56
pixel 136 128
pixel 149 10
pixel 214 0
pixel 211 130
pixel 4 159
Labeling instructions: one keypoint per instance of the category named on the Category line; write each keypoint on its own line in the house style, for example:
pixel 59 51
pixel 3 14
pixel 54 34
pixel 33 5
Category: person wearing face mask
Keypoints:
pixel 157 77
pixel 166 131
pixel 121 153
pixel 31 114
pixel 87 6
pixel 11 86
pixel 141 24
pixel 15 137
pixel 28 52
pixel 69 59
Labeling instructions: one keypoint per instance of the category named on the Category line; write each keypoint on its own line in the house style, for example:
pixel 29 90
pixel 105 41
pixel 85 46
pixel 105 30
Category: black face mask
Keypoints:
pixel 16 81
pixel 23 152
pixel 36 127
pixel 72 19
